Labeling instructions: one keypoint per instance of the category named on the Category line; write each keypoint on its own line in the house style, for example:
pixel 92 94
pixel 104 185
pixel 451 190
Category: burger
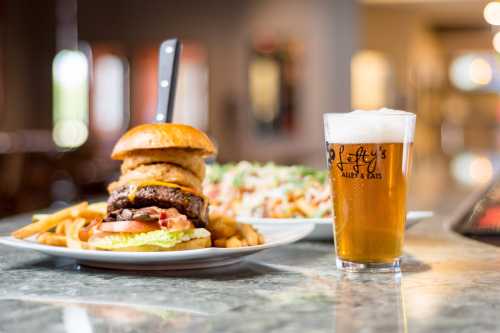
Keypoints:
pixel 157 203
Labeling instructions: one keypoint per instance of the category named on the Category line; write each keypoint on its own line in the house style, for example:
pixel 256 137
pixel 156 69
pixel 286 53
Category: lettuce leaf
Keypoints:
pixel 157 238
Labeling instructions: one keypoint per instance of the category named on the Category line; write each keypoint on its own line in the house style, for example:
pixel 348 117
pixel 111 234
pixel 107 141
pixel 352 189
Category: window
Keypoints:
pixel 110 114
pixel 70 99
pixel 370 78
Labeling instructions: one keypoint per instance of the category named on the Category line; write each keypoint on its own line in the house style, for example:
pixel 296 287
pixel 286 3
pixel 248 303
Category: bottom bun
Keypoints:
pixel 197 243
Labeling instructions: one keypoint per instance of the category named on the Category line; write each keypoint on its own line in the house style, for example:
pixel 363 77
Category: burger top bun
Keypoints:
pixel 162 136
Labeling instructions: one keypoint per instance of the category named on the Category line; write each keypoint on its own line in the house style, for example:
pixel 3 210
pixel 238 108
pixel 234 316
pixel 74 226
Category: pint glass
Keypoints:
pixel 369 156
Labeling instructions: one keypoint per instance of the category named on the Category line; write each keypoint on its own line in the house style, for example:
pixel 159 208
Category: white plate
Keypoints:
pixel 323 226
pixel 275 235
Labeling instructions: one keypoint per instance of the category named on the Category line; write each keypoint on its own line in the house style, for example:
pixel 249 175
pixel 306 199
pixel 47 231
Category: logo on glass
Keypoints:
pixel 357 161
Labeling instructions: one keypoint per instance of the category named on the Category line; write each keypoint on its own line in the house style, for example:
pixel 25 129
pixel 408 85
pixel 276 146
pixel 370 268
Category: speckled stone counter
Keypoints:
pixel 449 283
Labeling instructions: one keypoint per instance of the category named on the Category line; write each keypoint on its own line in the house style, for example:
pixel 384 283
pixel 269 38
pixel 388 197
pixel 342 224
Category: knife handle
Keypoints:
pixel 167 79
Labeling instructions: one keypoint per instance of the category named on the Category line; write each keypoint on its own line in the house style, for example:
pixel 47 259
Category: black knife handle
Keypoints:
pixel 167 79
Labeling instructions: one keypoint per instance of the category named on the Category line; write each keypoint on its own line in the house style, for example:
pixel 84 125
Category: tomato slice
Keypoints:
pixel 129 226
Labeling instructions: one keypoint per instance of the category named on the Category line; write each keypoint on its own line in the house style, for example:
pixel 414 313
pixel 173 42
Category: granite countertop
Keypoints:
pixel 448 283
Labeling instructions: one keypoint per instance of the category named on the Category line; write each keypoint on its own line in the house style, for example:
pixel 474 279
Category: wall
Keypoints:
pixel 28 44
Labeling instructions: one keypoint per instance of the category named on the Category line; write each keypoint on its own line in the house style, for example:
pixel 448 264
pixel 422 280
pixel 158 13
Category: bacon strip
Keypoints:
pixel 171 219
pixel 168 219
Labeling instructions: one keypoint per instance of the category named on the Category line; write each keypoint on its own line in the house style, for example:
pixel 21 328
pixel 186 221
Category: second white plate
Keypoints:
pixel 323 226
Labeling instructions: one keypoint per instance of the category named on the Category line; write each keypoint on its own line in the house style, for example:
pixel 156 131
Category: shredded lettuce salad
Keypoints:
pixel 268 190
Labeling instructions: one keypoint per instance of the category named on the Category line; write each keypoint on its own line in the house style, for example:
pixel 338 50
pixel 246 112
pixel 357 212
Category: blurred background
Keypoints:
pixel 257 75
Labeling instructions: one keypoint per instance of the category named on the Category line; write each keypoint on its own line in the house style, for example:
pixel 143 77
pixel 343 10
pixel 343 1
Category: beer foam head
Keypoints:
pixel 373 126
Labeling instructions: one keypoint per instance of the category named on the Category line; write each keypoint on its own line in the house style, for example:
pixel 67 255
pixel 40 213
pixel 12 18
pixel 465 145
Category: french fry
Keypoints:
pixel 38 217
pixel 90 215
pixel 60 230
pixel 50 221
pixel 277 213
pixel 98 207
pixel 73 229
pixel 87 231
pixel 262 240
pixel 226 232
pixel 221 242
pixel 94 211
pixel 49 238
pixel 233 242
pixel 249 234
pixel 221 226
pixel 305 208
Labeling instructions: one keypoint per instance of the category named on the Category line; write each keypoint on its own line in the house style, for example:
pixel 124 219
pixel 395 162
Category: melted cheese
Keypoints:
pixel 135 186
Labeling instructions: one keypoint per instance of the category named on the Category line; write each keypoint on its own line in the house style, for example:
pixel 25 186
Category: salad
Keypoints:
pixel 268 190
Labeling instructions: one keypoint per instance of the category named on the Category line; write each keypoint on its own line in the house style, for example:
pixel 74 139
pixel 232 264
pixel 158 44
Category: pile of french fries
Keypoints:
pixel 70 227
pixel 226 232
pixel 73 226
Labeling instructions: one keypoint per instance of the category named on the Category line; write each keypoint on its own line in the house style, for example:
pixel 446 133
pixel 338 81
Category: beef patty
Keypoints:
pixel 189 204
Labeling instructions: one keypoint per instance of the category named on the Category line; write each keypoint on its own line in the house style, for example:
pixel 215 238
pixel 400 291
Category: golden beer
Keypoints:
pixel 369 185
pixel 369 157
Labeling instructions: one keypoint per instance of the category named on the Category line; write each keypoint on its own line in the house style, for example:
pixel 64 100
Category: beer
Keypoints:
pixel 369 154
pixel 369 186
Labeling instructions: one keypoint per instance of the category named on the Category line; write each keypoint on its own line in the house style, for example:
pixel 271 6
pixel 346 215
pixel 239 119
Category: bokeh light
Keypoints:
pixel 70 133
pixel 469 72
pixel 491 13
pixel 496 42
pixel 264 75
pixel 480 71
pixel 70 68
pixel 71 98
pixel 109 113
pixel 481 170
pixel 370 74
pixel 472 169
